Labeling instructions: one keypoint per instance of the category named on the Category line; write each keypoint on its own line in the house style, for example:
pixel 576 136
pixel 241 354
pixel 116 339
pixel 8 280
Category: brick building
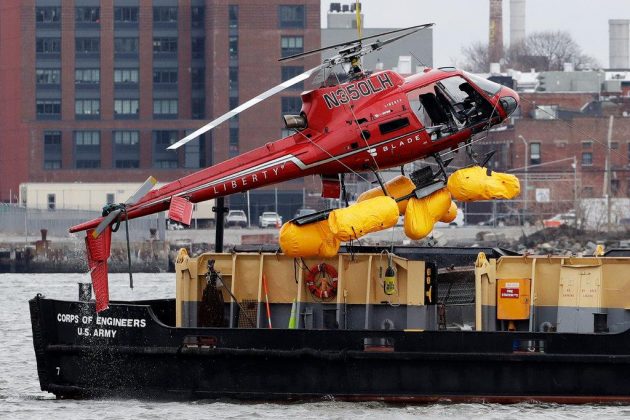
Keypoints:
pixel 558 144
pixel 94 91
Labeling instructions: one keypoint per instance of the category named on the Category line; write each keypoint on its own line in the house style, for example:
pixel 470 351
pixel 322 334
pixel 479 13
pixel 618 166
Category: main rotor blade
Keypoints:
pixel 377 45
pixel 142 191
pixel 106 222
pixel 282 86
pixel 348 43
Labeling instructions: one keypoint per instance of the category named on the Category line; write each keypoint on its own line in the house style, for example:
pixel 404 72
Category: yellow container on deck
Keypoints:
pixel 513 299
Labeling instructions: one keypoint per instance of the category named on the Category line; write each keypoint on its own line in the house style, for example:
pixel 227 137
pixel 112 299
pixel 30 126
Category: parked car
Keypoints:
pixel 269 219
pixel 560 219
pixel 172 225
pixel 236 218
pixel 502 220
pixel 304 212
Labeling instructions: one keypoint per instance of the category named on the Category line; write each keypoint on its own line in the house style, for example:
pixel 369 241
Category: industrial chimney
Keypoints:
pixel 495 43
pixel 517 21
pixel 619 43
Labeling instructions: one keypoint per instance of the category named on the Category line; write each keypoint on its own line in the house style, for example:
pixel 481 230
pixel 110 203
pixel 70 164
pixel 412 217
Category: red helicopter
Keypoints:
pixel 365 123
pixel 369 122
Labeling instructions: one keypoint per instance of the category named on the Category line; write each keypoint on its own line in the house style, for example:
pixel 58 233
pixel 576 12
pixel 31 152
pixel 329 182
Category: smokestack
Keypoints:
pixel 517 21
pixel 619 43
pixel 495 44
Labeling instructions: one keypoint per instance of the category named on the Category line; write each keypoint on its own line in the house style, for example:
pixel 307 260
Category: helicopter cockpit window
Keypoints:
pixel 486 85
pixel 449 105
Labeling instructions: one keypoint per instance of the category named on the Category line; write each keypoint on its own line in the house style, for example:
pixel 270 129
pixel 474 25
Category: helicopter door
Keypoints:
pixel 432 111
pixel 465 105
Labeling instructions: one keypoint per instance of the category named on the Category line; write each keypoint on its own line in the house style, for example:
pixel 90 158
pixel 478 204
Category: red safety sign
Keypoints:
pixel 509 293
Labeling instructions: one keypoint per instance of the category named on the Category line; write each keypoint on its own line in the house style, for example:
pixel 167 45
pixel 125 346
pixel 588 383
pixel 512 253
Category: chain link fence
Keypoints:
pixel 21 223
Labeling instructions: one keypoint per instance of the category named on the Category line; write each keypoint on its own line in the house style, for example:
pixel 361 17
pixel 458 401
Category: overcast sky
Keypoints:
pixel 461 22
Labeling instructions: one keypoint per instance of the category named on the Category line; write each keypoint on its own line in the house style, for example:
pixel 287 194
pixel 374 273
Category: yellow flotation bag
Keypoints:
pixel 359 219
pixel 423 213
pixel 477 183
pixel 451 214
pixel 397 187
pixel 311 240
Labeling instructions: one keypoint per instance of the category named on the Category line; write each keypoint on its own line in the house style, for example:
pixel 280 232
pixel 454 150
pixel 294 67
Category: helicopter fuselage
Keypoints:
pixel 373 122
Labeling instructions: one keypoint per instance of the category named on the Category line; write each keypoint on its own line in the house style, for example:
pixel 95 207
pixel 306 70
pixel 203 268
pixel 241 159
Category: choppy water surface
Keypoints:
pixel 21 398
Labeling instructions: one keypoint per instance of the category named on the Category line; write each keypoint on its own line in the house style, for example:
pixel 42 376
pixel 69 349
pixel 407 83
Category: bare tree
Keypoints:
pixel 544 51
pixel 477 57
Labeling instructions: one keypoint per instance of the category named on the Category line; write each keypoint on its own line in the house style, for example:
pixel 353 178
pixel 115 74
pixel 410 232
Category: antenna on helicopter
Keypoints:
pixel 349 52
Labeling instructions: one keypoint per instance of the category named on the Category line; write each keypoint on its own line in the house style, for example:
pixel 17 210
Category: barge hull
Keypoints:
pixel 130 351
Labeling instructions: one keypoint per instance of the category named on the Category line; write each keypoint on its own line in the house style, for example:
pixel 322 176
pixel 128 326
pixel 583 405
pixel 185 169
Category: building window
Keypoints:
pixel 165 108
pixel 291 105
pixel 198 108
pixel 291 45
pixel 47 14
pixel 233 79
pixel 126 150
pixel 587 159
pixel 48 76
pixel 125 75
pixel 534 153
pixel 628 152
pixel 87 76
pixel 197 47
pixel 48 45
pixel 233 145
pixel 51 201
pixel 125 45
pixel 615 185
pixel 125 14
pixel 162 157
pixel 87 45
pixel 289 72
pixel 233 47
pixel 48 109
pixel 165 14
pixel 233 16
pixel 192 154
pixel 52 150
pixel 87 14
pixel 87 149
pixel 164 76
pixel 198 79
pixel 546 112
pixel 87 108
pixel 125 108
pixel 197 16
pixel 614 145
pixel 164 45
pixel 587 145
pixel 110 198
pixel 291 16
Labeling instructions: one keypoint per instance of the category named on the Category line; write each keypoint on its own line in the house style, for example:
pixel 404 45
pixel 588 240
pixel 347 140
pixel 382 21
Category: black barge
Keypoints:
pixel 517 328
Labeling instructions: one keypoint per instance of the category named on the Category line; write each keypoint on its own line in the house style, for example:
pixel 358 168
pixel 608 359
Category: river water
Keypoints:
pixel 21 397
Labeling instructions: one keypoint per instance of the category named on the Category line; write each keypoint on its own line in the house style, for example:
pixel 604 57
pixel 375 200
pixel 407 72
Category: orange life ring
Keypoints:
pixel 321 281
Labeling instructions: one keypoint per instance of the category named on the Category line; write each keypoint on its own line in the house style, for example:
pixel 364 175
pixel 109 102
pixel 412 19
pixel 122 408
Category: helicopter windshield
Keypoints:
pixel 449 105
pixel 486 85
